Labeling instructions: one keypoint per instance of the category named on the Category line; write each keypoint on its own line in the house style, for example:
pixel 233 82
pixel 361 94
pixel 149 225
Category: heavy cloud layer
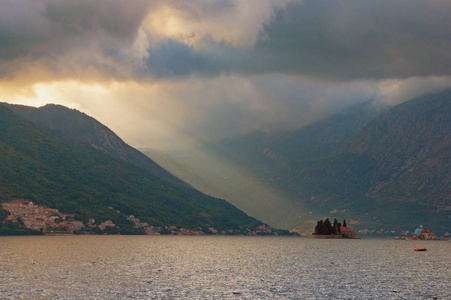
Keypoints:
pixel 70 39
pixel 336 40
pixel 206 69
pixel 339 40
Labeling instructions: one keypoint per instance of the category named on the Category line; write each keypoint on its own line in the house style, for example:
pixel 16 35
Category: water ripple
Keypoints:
pixel 167 267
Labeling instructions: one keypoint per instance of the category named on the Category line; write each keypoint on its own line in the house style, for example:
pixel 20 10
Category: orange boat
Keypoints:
pixel 420 249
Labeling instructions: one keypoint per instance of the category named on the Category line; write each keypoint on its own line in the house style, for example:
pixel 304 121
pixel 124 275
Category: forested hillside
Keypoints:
pixel 38 165
pixel 83 129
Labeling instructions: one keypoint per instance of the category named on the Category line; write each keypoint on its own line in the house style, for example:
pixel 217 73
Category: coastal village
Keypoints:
pixel 174 230
pixel 38 218
pixel 52 221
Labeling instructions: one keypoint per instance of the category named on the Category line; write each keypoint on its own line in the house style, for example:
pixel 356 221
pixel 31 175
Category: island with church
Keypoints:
pixel 324 229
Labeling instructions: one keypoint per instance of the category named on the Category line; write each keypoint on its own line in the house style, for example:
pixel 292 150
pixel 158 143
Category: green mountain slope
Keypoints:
pixel 39 165
pixel 83 129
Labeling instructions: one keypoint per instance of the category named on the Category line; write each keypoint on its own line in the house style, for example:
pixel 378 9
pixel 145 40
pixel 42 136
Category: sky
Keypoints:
pixel 169 74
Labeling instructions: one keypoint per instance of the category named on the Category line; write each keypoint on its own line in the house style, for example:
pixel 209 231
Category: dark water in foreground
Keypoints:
pixel 185 267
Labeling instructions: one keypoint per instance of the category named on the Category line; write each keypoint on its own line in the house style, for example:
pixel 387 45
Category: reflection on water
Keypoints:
pixel 168 267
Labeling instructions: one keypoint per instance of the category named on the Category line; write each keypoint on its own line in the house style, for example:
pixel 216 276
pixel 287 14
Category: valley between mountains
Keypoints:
pixel 386 169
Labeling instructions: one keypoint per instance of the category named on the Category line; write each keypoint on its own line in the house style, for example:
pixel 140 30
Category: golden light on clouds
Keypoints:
pixel 145 114
pixel 171 72
pixel 165 22
pixel 188 22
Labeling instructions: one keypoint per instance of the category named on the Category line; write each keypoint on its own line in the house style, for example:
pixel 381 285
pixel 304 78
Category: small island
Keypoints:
pixel 326 230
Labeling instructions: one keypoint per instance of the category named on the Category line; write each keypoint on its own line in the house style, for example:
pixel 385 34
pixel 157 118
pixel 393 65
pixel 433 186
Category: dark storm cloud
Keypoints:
pixel 176 59
pixel 204 9
pixel 20 29
pixel 119 19
pixel 361 39
pixel 47 31
pixel 335 40
pixel 341 40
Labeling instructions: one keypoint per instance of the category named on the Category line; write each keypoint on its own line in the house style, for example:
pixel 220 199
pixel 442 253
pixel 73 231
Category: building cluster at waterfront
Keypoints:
pixel 174 230
pixel 423 234
pixel 36 217
pixel 51 221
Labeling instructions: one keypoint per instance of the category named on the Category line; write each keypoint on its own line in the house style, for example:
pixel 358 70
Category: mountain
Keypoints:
pixel 39 165
pixel 410 147
pixel 81 128
pixel 396 169
pixel 321 139
pixel 385 169
pixel 255 172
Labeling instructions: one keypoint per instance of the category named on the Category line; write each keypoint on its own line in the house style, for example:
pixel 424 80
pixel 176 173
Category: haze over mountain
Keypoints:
pixel 37 164
pixel 384 168
pixel 245 170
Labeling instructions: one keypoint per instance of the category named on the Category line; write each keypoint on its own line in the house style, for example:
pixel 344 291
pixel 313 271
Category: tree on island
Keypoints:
pixel 336 228
pixel 326 228
pixel 319 227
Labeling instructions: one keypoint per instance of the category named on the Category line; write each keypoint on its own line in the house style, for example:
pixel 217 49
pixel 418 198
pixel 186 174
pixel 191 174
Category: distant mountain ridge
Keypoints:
pixel 79 127
pixel 268 188
pixel 413 161
pixel 388 168
pixel 319 140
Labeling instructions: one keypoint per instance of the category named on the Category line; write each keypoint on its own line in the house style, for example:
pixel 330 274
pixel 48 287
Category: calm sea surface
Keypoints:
pixel 190 267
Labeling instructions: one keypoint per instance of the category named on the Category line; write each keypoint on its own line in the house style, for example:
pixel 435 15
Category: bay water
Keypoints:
pixel 221 267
